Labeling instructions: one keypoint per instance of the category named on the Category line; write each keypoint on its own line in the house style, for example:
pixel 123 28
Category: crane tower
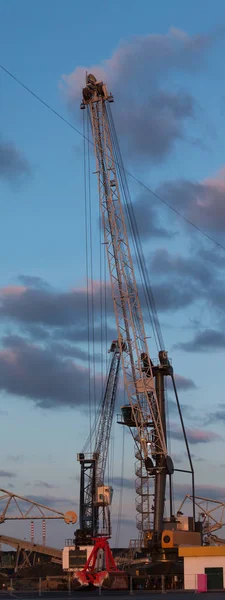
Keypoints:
pixel 143 415
pixel 144 381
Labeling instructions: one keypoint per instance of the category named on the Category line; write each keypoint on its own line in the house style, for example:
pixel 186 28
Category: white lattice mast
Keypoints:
pixel 139 380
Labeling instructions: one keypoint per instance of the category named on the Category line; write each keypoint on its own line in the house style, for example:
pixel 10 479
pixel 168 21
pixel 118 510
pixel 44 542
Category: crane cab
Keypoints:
pixel 104 495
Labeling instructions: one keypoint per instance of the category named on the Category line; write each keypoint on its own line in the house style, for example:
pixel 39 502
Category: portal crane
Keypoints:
pixel 143 415
pixel 144 382
pixel 95 496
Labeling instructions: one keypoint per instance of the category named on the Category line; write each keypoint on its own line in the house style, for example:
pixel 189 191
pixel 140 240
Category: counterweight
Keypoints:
pixel 144 415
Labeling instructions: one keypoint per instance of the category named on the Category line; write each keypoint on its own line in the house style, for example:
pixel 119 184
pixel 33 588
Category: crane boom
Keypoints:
pixel 145 414
pixel 106 414
pixel 95 497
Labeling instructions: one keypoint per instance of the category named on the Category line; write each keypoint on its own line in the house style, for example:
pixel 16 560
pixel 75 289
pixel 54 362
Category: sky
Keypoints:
pixel 164 64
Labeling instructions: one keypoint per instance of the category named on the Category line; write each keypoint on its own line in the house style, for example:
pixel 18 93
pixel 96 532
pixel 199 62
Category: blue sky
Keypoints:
pixel 165 67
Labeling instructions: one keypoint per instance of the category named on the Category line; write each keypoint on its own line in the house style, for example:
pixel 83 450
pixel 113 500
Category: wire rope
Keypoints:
pixel 120 508
pixel 87 285
pixel 91 280
pixel 131 175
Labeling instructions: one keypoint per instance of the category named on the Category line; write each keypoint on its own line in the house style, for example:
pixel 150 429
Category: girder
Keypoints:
pixel 149 430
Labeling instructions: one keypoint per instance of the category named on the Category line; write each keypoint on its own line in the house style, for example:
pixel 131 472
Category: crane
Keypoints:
pixel 143 414
pixel 95 496
pixel 144 382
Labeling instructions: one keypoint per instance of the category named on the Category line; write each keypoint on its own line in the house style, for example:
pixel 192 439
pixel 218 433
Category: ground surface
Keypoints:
pixel 84 595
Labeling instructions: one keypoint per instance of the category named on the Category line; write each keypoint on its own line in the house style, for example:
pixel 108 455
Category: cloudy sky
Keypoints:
pixel 164 64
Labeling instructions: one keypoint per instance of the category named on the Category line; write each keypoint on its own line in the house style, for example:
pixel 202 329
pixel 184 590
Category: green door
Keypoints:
pixel 214 578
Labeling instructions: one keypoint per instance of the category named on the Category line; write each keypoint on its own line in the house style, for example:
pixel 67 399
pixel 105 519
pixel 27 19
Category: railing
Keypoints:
pixel 69 542
pixel 65 585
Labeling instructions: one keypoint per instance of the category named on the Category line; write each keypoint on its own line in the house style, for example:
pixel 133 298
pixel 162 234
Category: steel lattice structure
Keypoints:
pixel 29 509
pixel 94 505
pixel 211 515
pixel 149 432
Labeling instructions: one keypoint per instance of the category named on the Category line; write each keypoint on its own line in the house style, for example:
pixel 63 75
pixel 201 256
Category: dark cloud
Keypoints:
pixel 128 484
pixel 193 280
pixel 182 383
pixel 12 164
pixel 31 305
pixel 15 457
pixel 9 474
pixel 124 521
pixel 35 373
pixel 171 295
pixel 201 202
pixel 218 415
pixel 188 412
pixel 205 491
pixel 45 484
pixel 33 281
pixel 189 267
pixel 149 117
pixel 148 219
pixel 204 341
pixel 178 458
pixel 151 129
pixel 195 436
pixel 53 501
pixel 60 349
pixel 197 458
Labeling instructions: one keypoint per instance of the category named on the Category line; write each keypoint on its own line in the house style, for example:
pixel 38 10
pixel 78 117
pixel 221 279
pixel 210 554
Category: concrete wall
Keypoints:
pixel 196 565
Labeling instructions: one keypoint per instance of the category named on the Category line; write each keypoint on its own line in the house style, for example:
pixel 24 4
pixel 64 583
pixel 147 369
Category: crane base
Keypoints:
pixel 112 581
pixel 109 577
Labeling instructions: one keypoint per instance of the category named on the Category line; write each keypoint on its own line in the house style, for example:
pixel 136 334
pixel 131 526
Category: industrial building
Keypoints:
pixel 203 560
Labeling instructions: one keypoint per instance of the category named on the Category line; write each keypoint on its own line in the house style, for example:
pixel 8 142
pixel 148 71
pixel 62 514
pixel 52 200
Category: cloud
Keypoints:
pixel 217 415
pixel 124 521
pixel 164 263
pixel 53 501
pixel 128 484
pixel 201 202
pixel 174 295
pixel 148 219
pixel 59 349
pixel 33 281
pixel 197 458
pixel 15 457
pixel 35 373
pixel 12 164
pixel 205 491
pixel 182 383
pixel 204 341
pixel 45 484
pixel 149 117
pixel 195 436
pixel 46 306
pixel 172 408
pixel 9 474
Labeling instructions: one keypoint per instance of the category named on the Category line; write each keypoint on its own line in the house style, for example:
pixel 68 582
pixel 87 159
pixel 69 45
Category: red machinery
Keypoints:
pixel 90 575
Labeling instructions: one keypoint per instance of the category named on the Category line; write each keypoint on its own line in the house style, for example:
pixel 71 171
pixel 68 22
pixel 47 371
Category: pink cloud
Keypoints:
pixel 166 51
pixel 150 118
pixel 94 286
pixel 13 290
pixel 195 436
pixel 8 356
